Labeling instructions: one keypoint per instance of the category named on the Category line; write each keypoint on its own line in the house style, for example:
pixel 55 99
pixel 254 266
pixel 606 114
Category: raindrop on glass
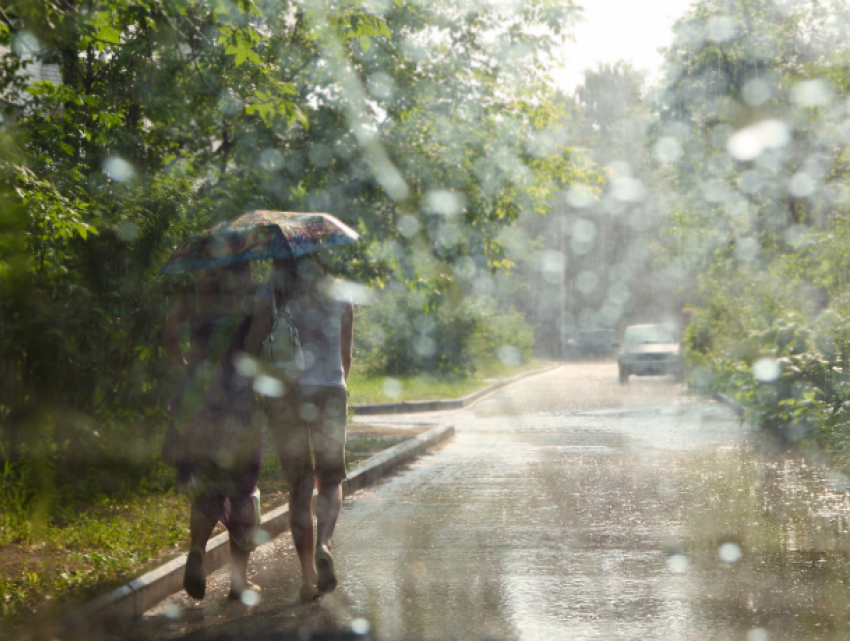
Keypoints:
pixel 393 387
pixel 812 93
pixel 756 92
pixel 268 386
pixel 579 196
pixel 250 598
pixel 509 355
pixel 729 553
pixel 408 226
pixel 117 169
pixel 758 634
pixel 667 150
pixel 766 370
pixel 172 611
pixel 678 563
pixel 360 626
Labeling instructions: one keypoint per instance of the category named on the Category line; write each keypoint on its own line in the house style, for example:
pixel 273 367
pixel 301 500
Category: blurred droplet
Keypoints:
pixel 392 387
pixel 268 386
pixel 750 142
pixel 425 346
pixel 729 553
pixel 360 626
pixel 250 598
pixel 580 196
pixel 246 365
pixel 26 45
pixel 308 412
pixel 320 156
pixel 408 226
pixel 802 185
pixel 444 202
pixel 583 236
pixel 747 249
pixel 627 189
pixel 117 169
pixel 678 563
pixel 552 266
pixel 509 355
pixel 721 28
pixel 128 231
pixel 424 324
pixel 798 236
pixel 465 267
pixel 838 482
pixel 381 86
pixel 172 611
pixel 418 569
pixel 812 93
pixel 261 536
pixel 758 634
pixel 756 92
pixel 229 104
pixel 766 370
pixel 587 282
pixel 667 150
pixel 271 160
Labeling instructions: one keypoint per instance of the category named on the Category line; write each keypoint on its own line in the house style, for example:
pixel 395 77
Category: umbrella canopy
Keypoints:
pixel 259 235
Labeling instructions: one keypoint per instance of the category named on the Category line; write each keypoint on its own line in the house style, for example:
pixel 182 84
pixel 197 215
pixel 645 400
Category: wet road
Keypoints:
pixel 568 507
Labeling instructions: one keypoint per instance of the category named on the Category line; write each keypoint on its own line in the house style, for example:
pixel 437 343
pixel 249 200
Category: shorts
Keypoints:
pixel 310 417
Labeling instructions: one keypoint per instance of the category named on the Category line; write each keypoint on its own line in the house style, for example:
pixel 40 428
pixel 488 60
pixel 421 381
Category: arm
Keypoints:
pixel 261 325
pixel 174 322
pixel 346 339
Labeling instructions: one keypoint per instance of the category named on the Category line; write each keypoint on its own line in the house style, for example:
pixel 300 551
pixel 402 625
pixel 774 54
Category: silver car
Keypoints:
pixel 650 350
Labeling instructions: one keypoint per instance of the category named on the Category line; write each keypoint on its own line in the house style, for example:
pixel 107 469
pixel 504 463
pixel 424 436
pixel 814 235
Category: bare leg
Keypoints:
pixel 328 505
pixel 239 571
pixel 301 524
pixel 200 529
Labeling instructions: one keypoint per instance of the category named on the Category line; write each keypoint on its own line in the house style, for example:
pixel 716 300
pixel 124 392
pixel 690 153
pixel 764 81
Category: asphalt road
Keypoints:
pixel 566 507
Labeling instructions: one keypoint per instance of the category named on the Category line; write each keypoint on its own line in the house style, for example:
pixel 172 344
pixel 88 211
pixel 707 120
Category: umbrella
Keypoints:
pixel 259 235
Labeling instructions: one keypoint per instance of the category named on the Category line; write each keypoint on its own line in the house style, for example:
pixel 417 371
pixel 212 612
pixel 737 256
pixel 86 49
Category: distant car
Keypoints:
pixel 592 343
pixel 650 350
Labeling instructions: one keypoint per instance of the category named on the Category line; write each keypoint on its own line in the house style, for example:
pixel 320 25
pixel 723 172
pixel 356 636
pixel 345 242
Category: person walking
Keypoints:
pixel 220 443
pixel 311 415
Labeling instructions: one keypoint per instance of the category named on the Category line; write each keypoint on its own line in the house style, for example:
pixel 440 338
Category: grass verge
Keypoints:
pixel 94 542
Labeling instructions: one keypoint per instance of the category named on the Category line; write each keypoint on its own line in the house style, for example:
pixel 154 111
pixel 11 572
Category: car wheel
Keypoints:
pixel 624 376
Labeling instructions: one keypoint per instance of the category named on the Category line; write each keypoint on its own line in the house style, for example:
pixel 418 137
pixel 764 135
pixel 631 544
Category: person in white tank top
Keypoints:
pixel 312 416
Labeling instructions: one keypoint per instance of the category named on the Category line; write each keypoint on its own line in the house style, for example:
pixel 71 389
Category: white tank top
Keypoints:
pixel 320 330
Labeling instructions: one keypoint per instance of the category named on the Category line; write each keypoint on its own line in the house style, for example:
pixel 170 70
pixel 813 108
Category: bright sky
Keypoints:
pixel 614 30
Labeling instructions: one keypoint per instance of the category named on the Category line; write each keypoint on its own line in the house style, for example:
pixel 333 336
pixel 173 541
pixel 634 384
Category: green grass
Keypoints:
pixel 93 542
pixel 366 390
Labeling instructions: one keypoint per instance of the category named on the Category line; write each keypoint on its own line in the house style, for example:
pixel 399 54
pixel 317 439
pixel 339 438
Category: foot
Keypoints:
pixel 238 588
pixel 195 576
pixel 308 593
pixel 326 581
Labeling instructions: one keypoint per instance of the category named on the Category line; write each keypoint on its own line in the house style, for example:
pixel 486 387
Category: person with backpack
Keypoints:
pixel 308 420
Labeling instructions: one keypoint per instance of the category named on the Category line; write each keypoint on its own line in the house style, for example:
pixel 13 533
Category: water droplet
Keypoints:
pixel 393 387
pixel 812 93
pixel 587 282
pixel 758 634
pixel 271 160
pixel 678 563
pixel 360 626
pixel 509 355
pixel 261 536
pixel 250 598
pixel 580 196
pixel 667 150
pixel 721 28
pixel 729 553
pixel 128 231
pixel 268 386
pixel 747 249
pixel 408 226
pixel 246 365
pixel 756 92
pixel 172 611
pixel 425 346
pixel 552 265
pixel 802 185
pixel 766 370
pixel 444 202
pixel 117 169
pixel 627 189
pixel 418 569
pixel 26 45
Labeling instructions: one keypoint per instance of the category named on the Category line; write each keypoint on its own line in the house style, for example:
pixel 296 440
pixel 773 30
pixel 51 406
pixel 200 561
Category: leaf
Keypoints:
pixel 365 43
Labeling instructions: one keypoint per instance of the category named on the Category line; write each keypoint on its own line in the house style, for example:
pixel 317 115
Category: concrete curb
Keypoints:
pixel 729 402
pixel 412 407
pixel 141 594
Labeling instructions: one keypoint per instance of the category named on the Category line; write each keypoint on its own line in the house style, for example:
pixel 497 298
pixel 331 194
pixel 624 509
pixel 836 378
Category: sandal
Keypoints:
pixel 308 593
pixel 195 576
pixel 325 568
pixel 236 593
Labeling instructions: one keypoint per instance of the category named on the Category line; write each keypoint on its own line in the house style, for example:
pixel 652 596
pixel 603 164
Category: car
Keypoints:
pixel 650 350
pixel 592 343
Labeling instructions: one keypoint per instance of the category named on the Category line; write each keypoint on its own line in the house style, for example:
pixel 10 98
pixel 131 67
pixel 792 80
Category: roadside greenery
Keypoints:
pixel 752 132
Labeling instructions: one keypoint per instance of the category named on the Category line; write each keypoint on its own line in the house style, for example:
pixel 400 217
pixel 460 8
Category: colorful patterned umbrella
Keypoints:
pixel 259 235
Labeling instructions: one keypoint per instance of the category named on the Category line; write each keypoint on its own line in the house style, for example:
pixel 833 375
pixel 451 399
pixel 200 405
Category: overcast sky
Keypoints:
pixel 615 30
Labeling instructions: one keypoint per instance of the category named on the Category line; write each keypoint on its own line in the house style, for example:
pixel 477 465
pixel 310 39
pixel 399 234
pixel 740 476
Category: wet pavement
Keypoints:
pixel 568 507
